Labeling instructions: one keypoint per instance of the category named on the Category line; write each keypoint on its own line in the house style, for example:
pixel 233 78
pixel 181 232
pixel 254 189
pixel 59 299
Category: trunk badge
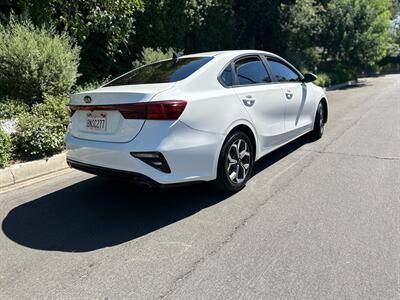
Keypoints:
pixel 87 99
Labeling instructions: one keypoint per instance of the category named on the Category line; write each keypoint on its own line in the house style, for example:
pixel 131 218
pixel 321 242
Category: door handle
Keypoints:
pixel 289 94
pixel 249 101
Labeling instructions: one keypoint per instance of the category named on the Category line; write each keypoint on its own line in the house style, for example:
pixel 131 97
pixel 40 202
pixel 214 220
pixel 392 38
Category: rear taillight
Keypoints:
pixel 160 110
pixel 165 110
pixel 71 110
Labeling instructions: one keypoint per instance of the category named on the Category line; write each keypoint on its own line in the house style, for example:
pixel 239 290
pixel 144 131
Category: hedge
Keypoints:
pixel 41 132
pixel 35 61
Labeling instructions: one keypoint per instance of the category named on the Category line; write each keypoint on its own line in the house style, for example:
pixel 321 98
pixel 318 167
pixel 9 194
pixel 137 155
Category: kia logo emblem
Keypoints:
pixel 87 99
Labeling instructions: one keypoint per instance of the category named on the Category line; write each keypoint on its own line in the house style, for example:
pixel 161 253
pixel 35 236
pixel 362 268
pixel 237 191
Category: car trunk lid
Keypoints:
pixel 105 122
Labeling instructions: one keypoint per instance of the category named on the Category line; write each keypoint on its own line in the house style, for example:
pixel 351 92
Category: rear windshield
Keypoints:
pixel 162 72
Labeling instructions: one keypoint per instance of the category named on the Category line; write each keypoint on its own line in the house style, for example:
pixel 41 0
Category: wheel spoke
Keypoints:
pixel 238 148
pixel 231 160
pixel 244 171
pixel 246 166
pixel 243 154
pixel 233 176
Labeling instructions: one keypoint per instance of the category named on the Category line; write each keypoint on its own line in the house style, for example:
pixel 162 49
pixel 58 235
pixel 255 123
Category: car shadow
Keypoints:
pixel 98 212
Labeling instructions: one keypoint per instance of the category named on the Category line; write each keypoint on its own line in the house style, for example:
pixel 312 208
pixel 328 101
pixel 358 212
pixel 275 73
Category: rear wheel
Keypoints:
pixel 319 123
pixel 235 163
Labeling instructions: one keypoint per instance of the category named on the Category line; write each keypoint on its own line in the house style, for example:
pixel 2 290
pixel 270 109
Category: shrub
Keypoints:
pixel 41 132
pixel 323 80
pixel 35 62
pixel 6 149
pixel 90 86
pixel 339 73
pixel 150 55
pixel 10 109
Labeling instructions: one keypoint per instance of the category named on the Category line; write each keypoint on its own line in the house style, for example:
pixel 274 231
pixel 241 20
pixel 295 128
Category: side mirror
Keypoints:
pixel 309 77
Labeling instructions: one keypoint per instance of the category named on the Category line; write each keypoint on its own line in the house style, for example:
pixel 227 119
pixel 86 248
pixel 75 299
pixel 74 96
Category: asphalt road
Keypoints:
pixel 319 220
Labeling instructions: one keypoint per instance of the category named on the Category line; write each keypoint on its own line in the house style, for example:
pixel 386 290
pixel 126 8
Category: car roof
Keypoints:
pixel 226 53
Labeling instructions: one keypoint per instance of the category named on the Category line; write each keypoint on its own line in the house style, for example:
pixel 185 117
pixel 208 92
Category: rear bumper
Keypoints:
pixel 191 154
pixel 137 178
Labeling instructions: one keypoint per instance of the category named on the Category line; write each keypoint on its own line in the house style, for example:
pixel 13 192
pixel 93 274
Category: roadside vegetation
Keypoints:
pixel 50 48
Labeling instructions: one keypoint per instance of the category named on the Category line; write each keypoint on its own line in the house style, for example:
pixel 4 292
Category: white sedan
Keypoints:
pixel 198 117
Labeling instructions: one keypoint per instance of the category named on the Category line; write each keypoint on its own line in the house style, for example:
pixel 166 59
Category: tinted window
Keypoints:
pixel 226 76
pixel 251 70
pixel 161 72
pixel 282 72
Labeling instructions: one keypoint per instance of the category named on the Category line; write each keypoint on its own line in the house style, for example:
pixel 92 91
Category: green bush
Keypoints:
pixel 90 86
pixel 340 73
pixel 323 80
pixel 35 62
pixel 334 73
pixel 6 149
pixel 10 109
pixel 41 132
pixel 150 55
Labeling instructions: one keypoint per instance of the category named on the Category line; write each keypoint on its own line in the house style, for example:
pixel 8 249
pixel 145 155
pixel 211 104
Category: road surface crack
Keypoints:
pixel 353 155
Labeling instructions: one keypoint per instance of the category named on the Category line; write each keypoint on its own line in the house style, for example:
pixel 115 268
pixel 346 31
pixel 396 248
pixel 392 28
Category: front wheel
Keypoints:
pixel 235 163
pixel 319 123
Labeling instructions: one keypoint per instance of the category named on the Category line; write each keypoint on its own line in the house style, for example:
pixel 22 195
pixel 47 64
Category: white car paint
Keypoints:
pixel 192 144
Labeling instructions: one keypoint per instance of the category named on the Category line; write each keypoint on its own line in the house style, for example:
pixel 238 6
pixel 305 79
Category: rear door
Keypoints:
pixel 295 95
pixel 262 99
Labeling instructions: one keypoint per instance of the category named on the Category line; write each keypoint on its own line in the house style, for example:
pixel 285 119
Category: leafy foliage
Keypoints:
pixel 89 86
pixel 150 55
pixel 355 32
pixel 6 149
pixel 10 108
pixel 323 80
pixel 41 132
pixel 35 61
pixel 113 34
pixel 100 27
pixel 302 26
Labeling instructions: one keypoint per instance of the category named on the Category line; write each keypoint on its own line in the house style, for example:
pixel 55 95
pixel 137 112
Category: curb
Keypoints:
pixel 342 85
pixel 25 171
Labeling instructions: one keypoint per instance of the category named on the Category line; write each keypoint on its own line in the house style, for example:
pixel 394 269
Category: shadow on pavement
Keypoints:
pixel 354 86
pixel 98 212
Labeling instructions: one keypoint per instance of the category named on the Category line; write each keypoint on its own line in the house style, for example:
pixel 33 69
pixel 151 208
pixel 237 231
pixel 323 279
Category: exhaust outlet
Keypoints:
pixel 143 184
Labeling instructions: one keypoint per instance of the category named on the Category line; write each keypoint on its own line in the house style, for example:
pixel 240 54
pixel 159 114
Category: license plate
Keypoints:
pixel 96 121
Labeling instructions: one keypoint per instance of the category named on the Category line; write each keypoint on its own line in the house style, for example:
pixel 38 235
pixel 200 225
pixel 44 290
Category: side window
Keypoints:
pixel 251 71
pixel 226 76
pixel 282 72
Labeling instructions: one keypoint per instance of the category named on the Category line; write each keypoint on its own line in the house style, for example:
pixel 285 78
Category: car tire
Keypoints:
pixel 319 123
pixel 235 163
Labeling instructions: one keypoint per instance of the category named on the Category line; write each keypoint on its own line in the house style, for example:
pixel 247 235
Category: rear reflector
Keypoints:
pixel 154 159
pixel 160 110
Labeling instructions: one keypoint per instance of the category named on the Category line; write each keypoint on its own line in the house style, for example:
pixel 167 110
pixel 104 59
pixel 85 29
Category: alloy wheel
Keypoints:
pixel 321 118
pixel 238 162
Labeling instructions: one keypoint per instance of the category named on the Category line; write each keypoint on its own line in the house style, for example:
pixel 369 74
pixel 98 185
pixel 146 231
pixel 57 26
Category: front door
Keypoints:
pixel 296 96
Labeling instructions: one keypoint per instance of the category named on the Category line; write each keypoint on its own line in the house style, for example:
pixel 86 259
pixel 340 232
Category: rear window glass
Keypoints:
pixel 226 76
pixel 162 72
pixel 251 71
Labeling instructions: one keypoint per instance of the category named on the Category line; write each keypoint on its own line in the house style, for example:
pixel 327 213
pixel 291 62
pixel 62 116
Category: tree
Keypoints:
pixel 355 32
pixel 302 27
pixel 210 26
pixel 258 25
